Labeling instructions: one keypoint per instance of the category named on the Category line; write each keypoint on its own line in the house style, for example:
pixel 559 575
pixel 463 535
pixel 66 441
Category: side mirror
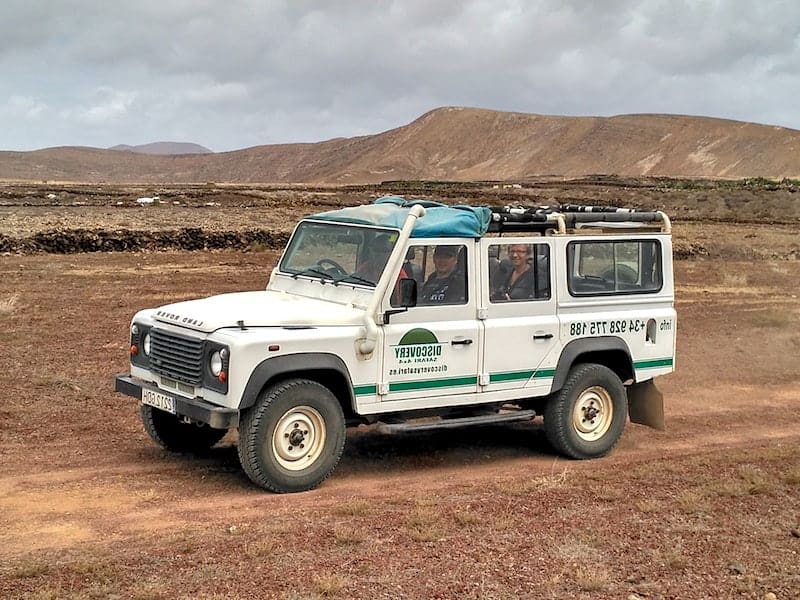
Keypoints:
pixel 408 293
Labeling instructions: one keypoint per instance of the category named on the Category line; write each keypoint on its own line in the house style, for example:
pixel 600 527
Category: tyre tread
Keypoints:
pixel 557 415
pixel 251 421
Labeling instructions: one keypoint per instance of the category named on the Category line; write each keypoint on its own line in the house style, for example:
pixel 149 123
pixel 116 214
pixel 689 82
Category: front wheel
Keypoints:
pixel 587 416
pixel 293 437
pixel 170 432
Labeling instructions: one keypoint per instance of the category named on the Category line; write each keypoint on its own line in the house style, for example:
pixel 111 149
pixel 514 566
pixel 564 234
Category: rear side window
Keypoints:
pixel 518 272
pixel 600 268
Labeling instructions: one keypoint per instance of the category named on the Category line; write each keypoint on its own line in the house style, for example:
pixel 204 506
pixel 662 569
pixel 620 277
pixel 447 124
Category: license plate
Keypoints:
pixel 160 401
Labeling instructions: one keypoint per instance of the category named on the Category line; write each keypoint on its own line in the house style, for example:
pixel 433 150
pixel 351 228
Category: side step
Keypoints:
pixel 490 419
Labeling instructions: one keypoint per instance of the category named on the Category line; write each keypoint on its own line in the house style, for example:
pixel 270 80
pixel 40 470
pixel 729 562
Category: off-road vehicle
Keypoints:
pixel 412 315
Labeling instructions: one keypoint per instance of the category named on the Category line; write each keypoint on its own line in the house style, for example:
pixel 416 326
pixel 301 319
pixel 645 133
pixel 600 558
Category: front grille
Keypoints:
pixel 176 356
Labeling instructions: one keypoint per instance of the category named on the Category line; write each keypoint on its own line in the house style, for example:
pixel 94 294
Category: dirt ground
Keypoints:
pixel 91 508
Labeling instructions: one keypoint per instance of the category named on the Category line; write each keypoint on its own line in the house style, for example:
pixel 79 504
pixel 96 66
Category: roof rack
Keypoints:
pixel 559 218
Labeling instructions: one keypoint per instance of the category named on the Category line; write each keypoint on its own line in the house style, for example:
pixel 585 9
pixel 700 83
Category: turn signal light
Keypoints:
pixel 222 376
pixel 134 350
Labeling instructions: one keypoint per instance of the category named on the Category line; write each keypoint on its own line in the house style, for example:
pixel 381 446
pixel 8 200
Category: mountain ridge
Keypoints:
pixel 162 148
pixel 460 144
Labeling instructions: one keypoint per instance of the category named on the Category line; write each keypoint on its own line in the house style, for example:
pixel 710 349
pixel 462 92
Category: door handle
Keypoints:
pixel 465 342
pixel 542 336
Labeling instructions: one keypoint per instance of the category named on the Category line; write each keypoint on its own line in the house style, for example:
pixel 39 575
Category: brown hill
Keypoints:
pixel 456 144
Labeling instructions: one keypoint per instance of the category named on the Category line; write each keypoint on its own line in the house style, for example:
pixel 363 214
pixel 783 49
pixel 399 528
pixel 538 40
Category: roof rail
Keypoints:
pixel 559 218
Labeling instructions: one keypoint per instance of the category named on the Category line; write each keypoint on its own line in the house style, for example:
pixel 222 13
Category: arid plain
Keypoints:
pixel 90 508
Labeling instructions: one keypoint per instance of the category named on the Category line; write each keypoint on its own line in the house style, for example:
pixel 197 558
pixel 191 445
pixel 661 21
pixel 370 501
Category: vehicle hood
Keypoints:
pixel 257 309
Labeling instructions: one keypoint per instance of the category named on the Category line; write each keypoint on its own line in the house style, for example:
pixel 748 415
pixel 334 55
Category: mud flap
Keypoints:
pixel 646 404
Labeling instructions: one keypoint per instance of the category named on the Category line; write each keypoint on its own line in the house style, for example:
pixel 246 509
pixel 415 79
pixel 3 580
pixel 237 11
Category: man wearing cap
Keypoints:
pixel 446 284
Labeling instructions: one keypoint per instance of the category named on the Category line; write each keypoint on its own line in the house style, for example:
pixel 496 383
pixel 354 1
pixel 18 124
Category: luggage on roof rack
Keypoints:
pixel 519 219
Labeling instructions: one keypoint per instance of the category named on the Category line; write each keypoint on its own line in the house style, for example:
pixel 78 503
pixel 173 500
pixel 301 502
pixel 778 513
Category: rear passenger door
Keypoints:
pixel 521 326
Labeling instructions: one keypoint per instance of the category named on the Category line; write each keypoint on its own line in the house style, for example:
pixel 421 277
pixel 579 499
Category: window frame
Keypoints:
pixel 571 267
pixel 428 250
pixel 510 241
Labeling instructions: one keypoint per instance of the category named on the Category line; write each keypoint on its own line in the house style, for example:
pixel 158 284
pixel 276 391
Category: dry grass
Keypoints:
pixel 55 382
pixel 775 318
pixel 591 579
pixel 574 550
pixel 750 482
pixel 609 495
pixel 648 506
pixel 8 305
pixel 29 570
pixel 694 502
pixel 261 548
pixel 673 558
pixel 792 477
pixel 329 585
pixel 525 487
pixel 734 279
pixel 466 518
pixel 47 594
pixel 348 536
pixel 424 525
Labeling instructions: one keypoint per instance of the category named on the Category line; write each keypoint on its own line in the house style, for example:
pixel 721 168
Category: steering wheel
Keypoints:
pixel 625 274
pixel 331 267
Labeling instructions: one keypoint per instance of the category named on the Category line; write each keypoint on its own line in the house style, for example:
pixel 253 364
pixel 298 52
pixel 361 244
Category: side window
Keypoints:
pixel 519 272
pixel 440 271
pixel 614 267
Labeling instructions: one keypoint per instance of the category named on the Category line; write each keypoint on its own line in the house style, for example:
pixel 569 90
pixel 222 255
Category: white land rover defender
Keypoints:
pixel 413 315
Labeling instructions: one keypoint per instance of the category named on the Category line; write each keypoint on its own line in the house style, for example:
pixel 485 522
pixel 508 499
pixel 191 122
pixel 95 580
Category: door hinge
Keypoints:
pixel 483 313
pixel 383 389
pixel 483 379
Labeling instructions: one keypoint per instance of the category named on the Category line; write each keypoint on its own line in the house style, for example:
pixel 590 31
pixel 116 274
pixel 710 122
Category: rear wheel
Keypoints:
pixel 587 416
pixel 170 432
pixel 293 437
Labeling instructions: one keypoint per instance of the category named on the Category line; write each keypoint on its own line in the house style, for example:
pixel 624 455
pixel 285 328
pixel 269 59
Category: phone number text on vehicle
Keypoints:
pixel 607 327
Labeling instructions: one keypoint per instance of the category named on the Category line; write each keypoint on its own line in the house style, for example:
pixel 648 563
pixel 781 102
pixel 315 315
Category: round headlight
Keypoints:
pixel 216 364
pixel 146 344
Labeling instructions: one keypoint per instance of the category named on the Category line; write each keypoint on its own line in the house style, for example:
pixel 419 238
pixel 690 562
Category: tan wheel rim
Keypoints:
pixel 299 438
pixel 593 413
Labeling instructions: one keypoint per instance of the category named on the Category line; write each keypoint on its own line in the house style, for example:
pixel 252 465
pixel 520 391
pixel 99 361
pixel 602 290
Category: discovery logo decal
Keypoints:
pixel 417 347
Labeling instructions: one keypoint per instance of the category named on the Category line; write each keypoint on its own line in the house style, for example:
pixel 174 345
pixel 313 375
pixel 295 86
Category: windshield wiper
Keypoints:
pixel 354 278
pixel 314 271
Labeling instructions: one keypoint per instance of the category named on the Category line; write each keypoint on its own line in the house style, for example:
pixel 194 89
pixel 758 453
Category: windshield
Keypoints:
pixel 339 253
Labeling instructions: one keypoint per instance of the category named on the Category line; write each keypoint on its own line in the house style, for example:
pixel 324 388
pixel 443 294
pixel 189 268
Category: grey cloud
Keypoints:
pixel 250 72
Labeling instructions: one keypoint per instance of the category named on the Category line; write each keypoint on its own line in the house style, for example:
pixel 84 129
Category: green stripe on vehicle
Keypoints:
pixel 517 375
pixel 510 376
pixel 424 384
pixel 363 390
pixel 652 364
pixel 403 386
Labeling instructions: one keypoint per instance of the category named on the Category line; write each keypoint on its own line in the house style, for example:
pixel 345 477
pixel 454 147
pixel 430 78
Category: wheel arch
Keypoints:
pixel 610 351
pixel 326 369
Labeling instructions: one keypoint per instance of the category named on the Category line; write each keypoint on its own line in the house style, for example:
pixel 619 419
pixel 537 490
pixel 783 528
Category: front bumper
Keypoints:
pixel 195 408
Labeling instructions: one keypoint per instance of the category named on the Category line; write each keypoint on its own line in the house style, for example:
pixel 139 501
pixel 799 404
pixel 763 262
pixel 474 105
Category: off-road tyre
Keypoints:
pixel 169 432
pixel 585 419
pixel 293 437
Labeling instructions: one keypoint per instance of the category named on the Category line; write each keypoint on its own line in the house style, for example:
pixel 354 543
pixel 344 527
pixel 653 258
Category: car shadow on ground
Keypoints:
pixel 370 451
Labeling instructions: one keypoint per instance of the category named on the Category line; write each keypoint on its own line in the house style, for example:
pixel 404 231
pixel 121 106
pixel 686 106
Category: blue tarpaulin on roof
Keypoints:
pixel 440 220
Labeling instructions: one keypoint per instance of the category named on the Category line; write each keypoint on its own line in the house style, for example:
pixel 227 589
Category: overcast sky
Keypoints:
pixel 242 73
